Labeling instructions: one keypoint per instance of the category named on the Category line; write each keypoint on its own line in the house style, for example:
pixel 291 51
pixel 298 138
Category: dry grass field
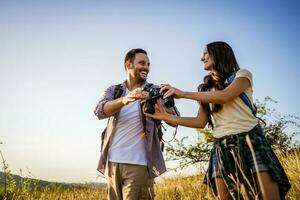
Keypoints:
pixel 176 188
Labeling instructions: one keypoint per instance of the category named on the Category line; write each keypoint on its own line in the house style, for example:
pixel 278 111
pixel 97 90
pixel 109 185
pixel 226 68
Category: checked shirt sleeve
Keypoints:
pixel 108 96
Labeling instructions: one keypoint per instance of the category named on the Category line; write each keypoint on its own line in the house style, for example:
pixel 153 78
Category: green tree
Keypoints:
pixel 277 125
pixel 276 130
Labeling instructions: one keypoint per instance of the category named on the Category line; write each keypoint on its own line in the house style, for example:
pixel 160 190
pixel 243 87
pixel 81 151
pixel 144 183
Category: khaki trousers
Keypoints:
pixel 129 182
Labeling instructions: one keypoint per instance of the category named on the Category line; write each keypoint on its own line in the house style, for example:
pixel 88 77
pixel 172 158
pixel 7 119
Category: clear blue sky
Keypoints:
pixel 57 58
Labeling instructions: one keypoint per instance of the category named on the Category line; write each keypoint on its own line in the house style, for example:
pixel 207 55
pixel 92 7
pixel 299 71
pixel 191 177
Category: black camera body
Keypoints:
pixel 154 95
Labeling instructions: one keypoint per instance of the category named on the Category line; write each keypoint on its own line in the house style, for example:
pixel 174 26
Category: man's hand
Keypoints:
pixel 136 94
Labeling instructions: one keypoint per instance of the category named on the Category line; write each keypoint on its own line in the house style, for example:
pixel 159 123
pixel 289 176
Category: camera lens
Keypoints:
pixel 169 102
pixel 149 108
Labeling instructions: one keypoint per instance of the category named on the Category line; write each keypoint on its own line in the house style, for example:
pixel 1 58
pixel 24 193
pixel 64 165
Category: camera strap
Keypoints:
pixel 173 137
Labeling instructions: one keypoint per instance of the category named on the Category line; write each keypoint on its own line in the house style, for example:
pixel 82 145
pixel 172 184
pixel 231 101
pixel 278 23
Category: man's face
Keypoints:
pixel 139 69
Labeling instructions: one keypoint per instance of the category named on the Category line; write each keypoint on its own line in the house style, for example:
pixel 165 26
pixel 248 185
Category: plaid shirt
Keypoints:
pixel 233 150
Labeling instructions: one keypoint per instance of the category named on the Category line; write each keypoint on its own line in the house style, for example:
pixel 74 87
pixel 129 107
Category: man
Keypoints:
pixel 131 150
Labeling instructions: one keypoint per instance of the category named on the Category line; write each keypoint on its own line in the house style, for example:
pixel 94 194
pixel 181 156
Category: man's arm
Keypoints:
pixel 114 106
pixel 108 96
pixel 108 106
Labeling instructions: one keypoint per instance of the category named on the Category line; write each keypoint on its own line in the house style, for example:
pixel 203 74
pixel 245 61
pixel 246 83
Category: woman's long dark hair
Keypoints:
pixel 224 64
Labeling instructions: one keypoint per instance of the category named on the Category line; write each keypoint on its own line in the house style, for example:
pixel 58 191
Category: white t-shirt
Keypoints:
pixel 235 116
pixel 128 143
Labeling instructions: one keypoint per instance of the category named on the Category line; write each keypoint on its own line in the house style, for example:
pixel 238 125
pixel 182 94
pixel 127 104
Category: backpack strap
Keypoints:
pixel 158 125
pixel 243 96
pixel 118 91
pixel 117 94
pixel 207 109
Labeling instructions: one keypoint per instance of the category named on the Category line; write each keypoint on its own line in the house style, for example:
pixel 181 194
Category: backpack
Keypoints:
pixel 118 91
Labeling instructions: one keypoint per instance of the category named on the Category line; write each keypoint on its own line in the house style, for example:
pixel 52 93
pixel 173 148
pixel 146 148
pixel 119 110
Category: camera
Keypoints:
pixel 154 95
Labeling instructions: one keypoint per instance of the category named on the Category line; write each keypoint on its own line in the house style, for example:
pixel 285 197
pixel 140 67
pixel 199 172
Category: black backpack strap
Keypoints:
pixel 159 127
pixel 118 91
pixel 143 119
pixel 207 109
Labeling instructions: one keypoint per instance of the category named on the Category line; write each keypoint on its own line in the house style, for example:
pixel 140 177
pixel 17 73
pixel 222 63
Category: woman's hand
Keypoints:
pixel 160 112
pixel 171 91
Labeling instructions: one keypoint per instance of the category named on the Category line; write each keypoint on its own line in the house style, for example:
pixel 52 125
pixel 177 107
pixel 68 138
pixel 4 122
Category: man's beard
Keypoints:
pixel 141 78
pixel 141 75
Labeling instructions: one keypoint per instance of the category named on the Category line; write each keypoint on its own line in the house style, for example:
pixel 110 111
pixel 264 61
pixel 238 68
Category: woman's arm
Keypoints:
pixel 231 92
pixel 193 122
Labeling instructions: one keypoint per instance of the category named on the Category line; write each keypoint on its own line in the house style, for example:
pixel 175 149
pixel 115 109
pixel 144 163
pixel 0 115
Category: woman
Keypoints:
pixel 242 163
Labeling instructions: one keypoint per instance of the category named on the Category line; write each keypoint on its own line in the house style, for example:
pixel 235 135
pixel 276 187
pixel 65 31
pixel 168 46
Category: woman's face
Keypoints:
pixel 207 60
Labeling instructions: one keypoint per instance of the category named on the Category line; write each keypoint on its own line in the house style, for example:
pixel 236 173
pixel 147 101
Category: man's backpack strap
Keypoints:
pixel 118 91
pixel 159 132
pixel 157 124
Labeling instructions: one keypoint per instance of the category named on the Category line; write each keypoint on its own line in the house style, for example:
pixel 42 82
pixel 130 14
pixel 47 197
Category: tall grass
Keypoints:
pixel 176 188
pixel 291 164
pixel 188 188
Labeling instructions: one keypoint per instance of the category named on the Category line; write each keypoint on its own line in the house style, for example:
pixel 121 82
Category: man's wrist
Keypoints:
pixel 123 101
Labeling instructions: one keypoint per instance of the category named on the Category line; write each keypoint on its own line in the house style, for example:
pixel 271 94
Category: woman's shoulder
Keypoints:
pixel 244 73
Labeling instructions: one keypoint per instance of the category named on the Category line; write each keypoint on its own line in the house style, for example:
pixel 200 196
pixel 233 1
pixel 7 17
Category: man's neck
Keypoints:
pixel 133 84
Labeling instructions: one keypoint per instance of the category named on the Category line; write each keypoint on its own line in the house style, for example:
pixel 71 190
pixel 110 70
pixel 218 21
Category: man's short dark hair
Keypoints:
pixel 131 54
